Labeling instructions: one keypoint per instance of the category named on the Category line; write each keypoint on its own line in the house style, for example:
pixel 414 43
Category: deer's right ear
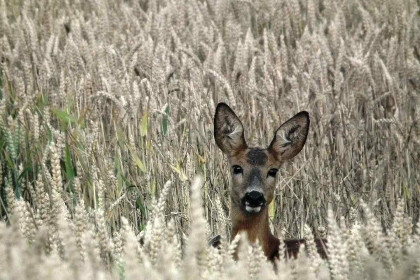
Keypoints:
pixel 228 130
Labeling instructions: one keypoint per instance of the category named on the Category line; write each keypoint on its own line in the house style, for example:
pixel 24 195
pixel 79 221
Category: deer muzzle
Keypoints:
pixel 253 201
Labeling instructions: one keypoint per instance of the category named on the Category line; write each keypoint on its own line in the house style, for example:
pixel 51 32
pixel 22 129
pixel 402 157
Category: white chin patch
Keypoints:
pixel 250 209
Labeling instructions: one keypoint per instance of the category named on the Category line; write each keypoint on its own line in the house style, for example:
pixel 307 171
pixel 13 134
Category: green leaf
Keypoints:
pixel 121 270
pixel 144 126
pixel 180 172
pixel 121 178
pixel 2 143
pixel 139 163
pixel 69 164
pixel 63 116
pixel 406 192
pixel 140 205
pixel 25 172
pixel 1 85
pixel 165 121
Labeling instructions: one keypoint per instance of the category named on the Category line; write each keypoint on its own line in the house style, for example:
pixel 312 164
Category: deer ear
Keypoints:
pixel 290 137
pixel 228 130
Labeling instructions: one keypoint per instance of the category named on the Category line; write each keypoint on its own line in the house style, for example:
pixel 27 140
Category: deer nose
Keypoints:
pixel 254 199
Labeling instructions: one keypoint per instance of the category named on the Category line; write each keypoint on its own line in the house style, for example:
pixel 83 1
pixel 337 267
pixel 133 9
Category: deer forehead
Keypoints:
pixel 257 156
pixel 254 157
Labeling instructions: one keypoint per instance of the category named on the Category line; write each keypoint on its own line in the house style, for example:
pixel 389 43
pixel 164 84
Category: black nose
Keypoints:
pixel 254 199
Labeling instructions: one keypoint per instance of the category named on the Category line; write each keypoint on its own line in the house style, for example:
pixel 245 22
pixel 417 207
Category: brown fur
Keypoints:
pixel 257 228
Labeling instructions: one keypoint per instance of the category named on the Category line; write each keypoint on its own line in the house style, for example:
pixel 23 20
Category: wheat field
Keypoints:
pixel 108 165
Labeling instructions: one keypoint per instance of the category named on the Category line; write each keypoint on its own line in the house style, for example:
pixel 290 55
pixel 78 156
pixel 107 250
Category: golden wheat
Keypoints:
pixel 106 114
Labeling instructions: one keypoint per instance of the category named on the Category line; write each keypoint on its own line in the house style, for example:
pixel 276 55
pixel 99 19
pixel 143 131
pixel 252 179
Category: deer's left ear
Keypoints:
pixel 290 137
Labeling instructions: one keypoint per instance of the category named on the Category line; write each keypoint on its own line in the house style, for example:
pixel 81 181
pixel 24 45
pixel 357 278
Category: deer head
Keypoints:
pixel 254 169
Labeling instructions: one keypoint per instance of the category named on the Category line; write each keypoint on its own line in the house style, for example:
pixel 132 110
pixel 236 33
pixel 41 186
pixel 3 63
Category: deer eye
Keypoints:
pixel 272 172
pixel 237 169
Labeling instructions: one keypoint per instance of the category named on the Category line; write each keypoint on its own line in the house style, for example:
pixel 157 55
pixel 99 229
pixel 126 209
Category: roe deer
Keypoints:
pixel 254 172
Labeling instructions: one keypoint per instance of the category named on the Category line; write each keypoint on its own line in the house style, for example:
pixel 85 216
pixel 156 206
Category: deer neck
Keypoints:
pixel 257 228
